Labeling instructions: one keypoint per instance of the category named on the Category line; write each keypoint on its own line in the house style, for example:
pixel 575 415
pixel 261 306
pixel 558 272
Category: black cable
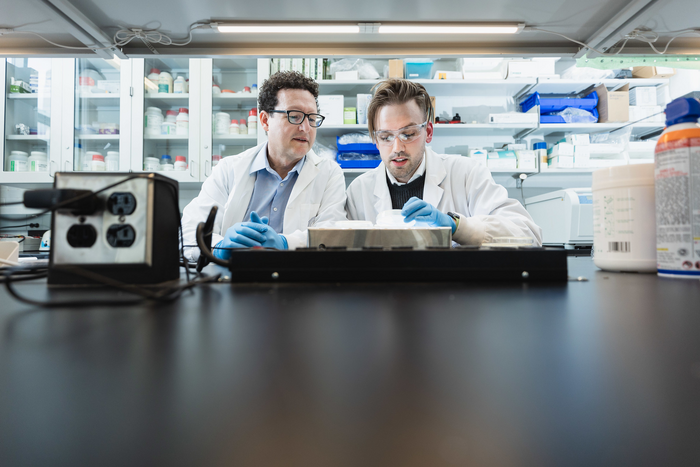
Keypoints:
pixel 33 225
pixel 12 203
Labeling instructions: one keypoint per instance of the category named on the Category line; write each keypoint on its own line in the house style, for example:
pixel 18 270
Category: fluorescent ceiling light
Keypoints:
pixel 449 29
pixel 291 28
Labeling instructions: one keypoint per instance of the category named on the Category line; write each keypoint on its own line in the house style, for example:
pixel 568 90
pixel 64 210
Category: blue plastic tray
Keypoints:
pixel 364 148
pixel 552 104
pixel 560 119
pixel 358 164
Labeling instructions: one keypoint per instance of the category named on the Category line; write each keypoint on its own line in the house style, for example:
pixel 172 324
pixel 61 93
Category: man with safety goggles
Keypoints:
pixel 435 189
pixel 269 195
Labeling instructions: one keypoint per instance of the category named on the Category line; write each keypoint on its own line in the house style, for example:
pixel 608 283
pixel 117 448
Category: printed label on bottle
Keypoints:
pixel 164 88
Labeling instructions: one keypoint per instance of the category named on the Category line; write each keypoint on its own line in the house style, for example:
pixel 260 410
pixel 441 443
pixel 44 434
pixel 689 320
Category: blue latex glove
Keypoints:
pixel 272 238
pixel 241 235
pixel 422 211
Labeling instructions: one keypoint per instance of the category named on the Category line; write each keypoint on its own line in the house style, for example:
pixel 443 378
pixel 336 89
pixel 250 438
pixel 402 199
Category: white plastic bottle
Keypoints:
pixel 253 121
pixel 151 164
pixel 171 116
pixel 180 163
pixel 18 161
pixel 677 169
pixel 112 161
pixel 233 128
pixel 165 83
pixel 154 78
pixel 183 122
pixel 98 162
pixel 242 127
pixel 179 86
pixel 166 163
pixel 38 162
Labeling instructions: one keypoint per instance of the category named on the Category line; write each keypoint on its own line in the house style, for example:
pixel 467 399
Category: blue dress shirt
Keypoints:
pixel 271 193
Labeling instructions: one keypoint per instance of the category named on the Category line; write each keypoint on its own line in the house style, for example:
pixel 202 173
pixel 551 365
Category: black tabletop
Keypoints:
pixel 603 372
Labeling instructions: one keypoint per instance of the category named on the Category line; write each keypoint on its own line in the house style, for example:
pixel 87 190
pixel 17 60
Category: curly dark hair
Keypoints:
pixel 267 97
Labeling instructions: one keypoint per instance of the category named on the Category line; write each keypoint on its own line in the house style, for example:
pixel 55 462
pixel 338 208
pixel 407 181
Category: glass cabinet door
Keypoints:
pixel 97 116
pixel 166 120
pixel 234 126
pixel 28 84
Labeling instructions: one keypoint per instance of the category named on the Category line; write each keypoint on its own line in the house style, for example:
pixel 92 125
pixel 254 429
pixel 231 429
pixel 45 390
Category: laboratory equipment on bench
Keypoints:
pixel 565 216
pixel 108 225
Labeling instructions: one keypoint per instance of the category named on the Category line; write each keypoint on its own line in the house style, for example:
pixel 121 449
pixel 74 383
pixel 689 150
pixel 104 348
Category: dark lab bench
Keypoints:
pixel 600 372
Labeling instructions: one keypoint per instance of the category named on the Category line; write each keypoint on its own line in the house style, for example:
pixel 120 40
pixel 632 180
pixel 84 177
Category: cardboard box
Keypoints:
pixel 581 139
pixel 645 112
pixel 362 103
pixel 645 95
pixel 502 160
pixel 646 72
pixel 395 68
pixel 332 106
pixel 514 117
pixel 527 160
pixel 448 75
pixel 613 106
pixel 582 156
pixel 561 149
pixel 349 116
pixel 353 75
pixel 479 155
pixel 561 162
pixel 516 147
pixel 531 68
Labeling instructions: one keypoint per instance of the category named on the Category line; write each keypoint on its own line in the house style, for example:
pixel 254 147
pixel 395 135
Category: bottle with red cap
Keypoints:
pixel 98 162
pixel 233 128
pixel 215 159
pixel 171 116
pixel 153 77
pixel 182 122
pixel 180 163
pixel 253 121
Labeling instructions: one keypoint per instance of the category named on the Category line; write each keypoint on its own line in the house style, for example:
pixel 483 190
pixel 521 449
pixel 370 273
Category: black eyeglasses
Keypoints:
pixel 296 117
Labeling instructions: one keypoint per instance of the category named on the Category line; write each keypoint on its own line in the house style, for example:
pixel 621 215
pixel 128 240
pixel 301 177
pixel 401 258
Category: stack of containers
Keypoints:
pixel 643 105
pixel 357 155
pixel 551 106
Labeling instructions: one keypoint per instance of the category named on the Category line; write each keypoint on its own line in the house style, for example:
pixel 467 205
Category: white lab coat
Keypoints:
pixel 452 184
pixel 318 198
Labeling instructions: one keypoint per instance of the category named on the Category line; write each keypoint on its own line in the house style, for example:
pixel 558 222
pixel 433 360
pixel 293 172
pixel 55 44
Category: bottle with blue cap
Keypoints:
pixel 166 162
pixel 541 151
pixel 677 191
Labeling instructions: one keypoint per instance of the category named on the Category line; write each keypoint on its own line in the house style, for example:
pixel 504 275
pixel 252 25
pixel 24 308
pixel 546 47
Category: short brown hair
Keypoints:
pixel 397 92
pixel 267 97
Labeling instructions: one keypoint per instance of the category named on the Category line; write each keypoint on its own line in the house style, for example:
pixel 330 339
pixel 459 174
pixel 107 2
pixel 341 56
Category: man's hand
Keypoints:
pixel 422 211
pixel 241 235
pixel 272 238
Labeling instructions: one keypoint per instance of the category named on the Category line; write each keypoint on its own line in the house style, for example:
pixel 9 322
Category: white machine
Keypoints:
pixel 565 216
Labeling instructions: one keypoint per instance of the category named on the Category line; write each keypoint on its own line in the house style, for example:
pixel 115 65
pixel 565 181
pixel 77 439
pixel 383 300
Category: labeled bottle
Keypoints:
pixel 18 161
pixel 38 162
pixel 242 127
pixel 233 128
pixel 677 169
pixel 151 164
pixel 98 162
pixel 180 85
pixel 180 163
pixel 165 83
pixel 112 161
pixel 166 163
pixel 154 78
pixel 183 122
pixel 171 116
pixel 253 121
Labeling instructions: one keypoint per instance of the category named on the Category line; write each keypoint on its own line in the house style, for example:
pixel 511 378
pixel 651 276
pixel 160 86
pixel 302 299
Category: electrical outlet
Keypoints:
pixel 81 236
pixel 121 235
pixel 121 203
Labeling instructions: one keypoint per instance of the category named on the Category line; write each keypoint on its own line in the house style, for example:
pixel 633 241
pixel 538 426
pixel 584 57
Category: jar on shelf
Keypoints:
pixel 180 163
pixel 183 122
pixel 233 128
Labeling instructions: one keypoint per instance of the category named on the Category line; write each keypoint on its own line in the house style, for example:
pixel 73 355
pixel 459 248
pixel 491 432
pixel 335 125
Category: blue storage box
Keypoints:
pixel 358 163
pixel 418 69
pixel 364 148
pixel 552 104
pixel 560 119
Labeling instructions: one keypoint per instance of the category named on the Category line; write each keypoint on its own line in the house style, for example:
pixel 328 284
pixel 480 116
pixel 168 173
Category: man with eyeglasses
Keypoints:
pixel 436 189
pixel 269 195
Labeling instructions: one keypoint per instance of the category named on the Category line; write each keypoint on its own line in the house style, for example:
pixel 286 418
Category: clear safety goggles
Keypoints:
pixel 406 135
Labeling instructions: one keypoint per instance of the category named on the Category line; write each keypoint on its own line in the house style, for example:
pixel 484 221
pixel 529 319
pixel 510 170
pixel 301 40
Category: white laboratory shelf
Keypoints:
pixel 480 129
pixel 239 96
pixel 99 137
pixel 166 137
pixel 166 100
pixel 571 86
pixel 26 179
pixel 23 96
pixel 438 87
pixel 28 137
pixel 356 171
pixel 236 138
pixel 564 128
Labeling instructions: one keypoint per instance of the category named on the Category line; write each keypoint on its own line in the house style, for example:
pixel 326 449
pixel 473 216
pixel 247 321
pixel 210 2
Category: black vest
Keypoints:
pixel 402 193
